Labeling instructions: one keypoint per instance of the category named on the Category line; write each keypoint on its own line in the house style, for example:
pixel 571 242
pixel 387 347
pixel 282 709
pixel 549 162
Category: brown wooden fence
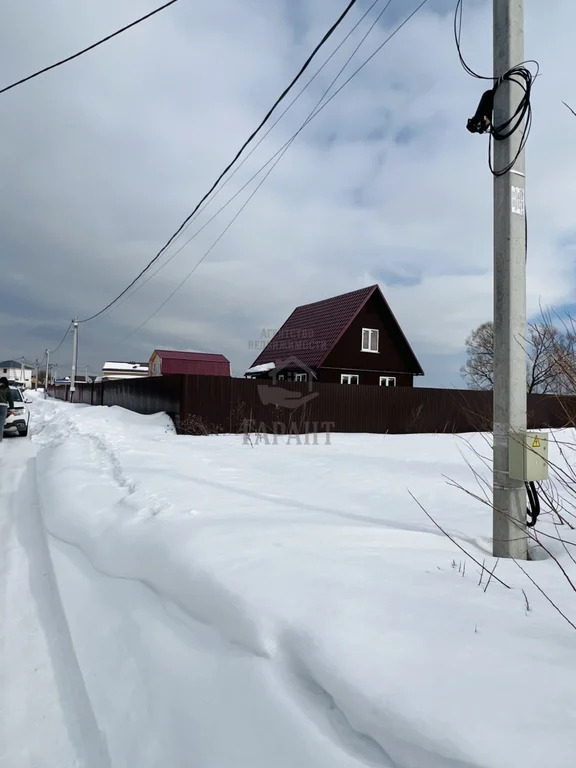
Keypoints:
pixel 210 404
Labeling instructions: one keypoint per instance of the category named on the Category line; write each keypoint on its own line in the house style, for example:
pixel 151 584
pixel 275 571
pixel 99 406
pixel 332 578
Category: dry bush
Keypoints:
pixel 195 425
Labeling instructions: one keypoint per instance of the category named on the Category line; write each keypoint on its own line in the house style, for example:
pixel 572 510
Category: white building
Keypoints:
pixel 17 373
pixel 122 370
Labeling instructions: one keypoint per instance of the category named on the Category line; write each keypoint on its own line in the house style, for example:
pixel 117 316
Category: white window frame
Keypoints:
pixel 387 381
pixel 346 378
pixel 300 377
pixel 373 333
pixel 281 377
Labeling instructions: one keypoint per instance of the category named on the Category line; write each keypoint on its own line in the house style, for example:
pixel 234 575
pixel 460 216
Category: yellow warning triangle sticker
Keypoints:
pixel 536 443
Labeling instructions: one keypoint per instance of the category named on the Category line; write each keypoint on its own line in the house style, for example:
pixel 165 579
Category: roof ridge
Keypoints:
pixel 339 296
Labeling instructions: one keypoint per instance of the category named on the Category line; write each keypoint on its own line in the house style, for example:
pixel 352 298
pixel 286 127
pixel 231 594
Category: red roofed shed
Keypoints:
pixel 166 361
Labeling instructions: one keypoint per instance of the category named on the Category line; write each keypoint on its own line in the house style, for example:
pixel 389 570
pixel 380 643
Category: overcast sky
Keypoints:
pixel 102 159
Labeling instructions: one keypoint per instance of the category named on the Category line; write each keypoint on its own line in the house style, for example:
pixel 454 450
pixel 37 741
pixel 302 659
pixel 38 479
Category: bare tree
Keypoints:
pixel 564 351
pixel 550 351
pixel 479 368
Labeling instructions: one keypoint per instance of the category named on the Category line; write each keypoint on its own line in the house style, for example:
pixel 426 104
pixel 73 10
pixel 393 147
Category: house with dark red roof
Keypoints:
pixel 353 338
pixel 166 361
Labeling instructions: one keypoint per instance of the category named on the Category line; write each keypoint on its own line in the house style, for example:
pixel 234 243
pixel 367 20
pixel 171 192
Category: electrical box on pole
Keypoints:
pixel 528 457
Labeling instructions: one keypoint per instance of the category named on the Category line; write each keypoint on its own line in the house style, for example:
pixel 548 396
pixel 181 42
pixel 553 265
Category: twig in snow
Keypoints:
pixel 558 563
pixel 526 598
pixel 565 544
pixel 490 576
pixel 552 603
pixel 448 536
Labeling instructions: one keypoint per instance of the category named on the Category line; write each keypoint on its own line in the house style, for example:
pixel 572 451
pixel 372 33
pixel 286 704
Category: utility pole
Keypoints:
pixel 509 496
pixel 74 358
pixel 47 377
pixel 37 374
pixel 22 373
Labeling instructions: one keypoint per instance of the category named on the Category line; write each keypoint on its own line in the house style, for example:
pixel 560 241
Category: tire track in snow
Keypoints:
pixel 79 717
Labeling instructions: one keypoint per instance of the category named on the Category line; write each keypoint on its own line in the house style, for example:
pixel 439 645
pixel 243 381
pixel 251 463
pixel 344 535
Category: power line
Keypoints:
pixel 89 48
pixel 294 100
pixel 280 153
pixel 255 147
pixel 52 351
pixel 282 96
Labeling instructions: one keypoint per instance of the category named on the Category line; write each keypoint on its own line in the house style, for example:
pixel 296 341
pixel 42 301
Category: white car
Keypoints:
pixel 18 417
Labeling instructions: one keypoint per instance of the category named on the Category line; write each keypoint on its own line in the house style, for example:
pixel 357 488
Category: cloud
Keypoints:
pixel 102 159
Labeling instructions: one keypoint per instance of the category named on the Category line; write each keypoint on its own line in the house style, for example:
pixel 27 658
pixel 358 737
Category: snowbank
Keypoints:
pixel 315 561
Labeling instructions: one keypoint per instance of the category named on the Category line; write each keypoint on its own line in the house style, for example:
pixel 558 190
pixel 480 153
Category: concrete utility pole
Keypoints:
pixel 47 377
pixel 74 358
pixel 37 374
pixel 509 496
pixel 23 373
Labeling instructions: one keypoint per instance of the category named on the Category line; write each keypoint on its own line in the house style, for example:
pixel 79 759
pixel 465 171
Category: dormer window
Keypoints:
pixel 370 339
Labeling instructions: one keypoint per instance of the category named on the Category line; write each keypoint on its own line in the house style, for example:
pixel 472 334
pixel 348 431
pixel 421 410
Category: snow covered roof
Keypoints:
pixel 262 368
pixel 122 366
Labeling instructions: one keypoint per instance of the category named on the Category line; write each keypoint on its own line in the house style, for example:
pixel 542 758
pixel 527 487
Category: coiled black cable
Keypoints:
pixel 483 119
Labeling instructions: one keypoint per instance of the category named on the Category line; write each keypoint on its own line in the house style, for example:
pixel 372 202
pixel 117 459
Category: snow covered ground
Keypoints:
pixel 204 602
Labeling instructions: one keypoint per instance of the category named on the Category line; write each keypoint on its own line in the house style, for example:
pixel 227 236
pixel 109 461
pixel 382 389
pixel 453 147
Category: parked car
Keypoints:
pixel 18 418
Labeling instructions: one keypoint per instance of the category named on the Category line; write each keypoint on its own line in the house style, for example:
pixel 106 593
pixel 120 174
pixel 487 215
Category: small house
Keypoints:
pixel 165 361
pixel 353 338
pixel 17 373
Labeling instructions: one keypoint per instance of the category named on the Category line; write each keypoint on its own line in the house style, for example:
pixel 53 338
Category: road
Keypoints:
pixel 44 706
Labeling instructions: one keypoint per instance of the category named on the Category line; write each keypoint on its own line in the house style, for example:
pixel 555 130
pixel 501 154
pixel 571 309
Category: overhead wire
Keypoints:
pixel 40 361
pixel 53 351
pixel 254 148
pixel 280 153
pixel 282 96
pixel 89 48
